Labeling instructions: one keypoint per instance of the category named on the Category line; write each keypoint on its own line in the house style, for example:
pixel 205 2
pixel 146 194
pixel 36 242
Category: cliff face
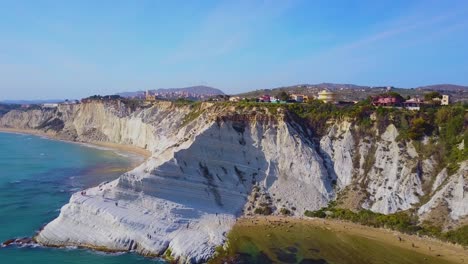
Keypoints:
pixel 211 164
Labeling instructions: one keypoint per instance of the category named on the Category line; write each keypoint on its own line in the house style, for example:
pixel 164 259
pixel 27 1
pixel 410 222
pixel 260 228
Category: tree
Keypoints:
pixel 431 95
pixel 417 128
pixel 283 96
pixel 396 95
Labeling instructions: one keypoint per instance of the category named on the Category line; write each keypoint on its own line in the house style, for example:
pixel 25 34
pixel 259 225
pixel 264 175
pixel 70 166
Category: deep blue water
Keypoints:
pixel 37 177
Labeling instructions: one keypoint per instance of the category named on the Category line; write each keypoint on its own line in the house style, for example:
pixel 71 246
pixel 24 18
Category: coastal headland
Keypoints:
pixel 211 163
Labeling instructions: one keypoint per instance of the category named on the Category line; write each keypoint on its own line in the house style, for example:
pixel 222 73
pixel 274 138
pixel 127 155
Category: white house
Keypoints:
pixel 274 99
pixel 445 100
pixel 50 105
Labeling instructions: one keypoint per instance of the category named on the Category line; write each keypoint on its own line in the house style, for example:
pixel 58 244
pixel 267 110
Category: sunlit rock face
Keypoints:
pixel 195 184
pixel 450 194
pixel 211 164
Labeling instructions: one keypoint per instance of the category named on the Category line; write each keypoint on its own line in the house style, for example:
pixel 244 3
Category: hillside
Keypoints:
pixel 193 92
pixel 445 87
pixel 214 162
pixel 351 92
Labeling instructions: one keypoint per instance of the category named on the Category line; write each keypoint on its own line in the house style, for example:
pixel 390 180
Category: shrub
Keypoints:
pixel 285 211
pixel 264 210
pixel 401 221
pixel 318 213
pixel 459 236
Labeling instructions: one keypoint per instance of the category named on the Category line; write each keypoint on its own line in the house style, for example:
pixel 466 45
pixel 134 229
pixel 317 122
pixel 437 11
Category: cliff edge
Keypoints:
pixel 212 163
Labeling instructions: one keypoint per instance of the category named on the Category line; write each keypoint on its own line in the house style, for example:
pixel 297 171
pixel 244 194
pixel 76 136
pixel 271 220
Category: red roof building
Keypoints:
pixel 387 100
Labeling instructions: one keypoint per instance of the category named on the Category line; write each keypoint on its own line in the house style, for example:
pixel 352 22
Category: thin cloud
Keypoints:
pixel 389 33
pixel 227 28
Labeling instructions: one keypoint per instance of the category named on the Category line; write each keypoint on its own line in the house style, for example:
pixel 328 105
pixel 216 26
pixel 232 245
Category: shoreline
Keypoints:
pixel 130 149
pixel 135 155
pixel 426 245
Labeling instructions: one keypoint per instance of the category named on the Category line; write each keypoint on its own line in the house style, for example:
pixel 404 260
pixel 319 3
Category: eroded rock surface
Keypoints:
pixel 211 164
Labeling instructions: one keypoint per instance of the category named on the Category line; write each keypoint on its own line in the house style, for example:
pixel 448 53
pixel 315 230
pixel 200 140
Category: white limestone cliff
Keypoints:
pixel 451 192
pixel 207 160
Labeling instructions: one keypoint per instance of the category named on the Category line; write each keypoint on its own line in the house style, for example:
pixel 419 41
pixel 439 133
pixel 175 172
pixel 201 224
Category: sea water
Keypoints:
pixel 37 177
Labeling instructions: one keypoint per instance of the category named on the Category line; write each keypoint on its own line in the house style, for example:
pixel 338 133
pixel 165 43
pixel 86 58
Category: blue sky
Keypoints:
pixel 76 48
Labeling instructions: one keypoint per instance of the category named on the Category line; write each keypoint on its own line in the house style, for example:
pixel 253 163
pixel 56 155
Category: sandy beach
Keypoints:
pixel 111 146
pixel 425 245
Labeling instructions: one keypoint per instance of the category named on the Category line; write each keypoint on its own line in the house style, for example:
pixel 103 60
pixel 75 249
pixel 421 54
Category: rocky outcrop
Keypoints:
pixel 393 182
pixel 212 163
pixel 450 196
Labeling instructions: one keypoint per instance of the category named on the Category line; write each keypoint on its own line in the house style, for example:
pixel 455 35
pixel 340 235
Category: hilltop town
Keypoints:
pixel 372 162
pixel 337 94
pixel 388 98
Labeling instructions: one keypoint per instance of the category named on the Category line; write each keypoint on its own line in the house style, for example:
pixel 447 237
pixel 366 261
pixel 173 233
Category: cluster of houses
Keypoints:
pixel 388 99
pixel 149 97
pixel 394 100
pixel 325 96
pixel 55 105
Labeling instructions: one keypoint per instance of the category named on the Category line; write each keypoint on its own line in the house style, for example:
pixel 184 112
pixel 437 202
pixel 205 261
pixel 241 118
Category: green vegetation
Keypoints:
pixel 5 108
pixel 404 222
pixel 263 210
pixel 285 211
pixel 459 236
pixel 447 125
pixel 401 221
pixel 395 95
pixel 314 114
pixel 168 255
pixel 103 97
pixel 283 96
pixel 183 101
pixel 196 111
pixel 133 104
pixel 431 95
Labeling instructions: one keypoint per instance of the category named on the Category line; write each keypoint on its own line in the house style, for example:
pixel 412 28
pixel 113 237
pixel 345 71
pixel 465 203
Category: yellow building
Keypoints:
pixel 327 96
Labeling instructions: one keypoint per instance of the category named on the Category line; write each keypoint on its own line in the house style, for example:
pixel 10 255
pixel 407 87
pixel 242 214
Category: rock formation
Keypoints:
pixel 212 163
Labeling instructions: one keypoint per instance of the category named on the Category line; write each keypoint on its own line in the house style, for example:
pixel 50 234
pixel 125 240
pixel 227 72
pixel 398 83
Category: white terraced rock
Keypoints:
pixel 393 182
pixel 195 189
pixel 206 160
pixel 453 194
pixel 339 146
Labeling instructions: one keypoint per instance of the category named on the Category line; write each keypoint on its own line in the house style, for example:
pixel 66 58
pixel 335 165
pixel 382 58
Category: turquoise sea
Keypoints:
pixel 37 177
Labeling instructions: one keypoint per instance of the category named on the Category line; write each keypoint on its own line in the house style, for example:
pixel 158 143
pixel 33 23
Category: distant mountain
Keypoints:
pixel 192 90
pixel 444 87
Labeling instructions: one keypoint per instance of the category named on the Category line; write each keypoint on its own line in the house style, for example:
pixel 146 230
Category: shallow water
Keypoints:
pixel 37 177
pixel 306 243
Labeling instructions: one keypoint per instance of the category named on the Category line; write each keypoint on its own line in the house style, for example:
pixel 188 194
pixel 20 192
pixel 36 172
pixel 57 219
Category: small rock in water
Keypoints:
pixel 18 241
pixel 8 242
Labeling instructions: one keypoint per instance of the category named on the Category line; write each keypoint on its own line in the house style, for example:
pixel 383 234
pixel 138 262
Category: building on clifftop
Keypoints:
pixel 445 100
pixel 388 99
pixel 149 97
pixel 327 96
